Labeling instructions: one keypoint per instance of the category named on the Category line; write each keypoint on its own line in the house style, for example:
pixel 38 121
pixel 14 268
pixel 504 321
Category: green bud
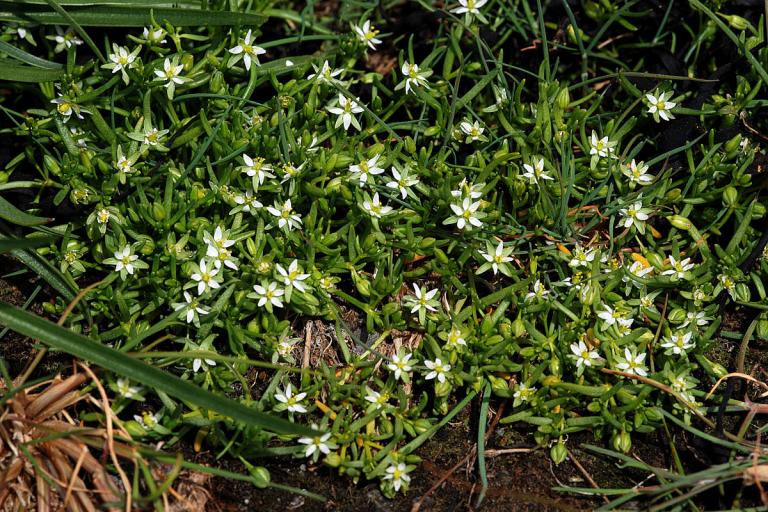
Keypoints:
pixel 51 165
pixel 158 211
pixel 733 143
pixel 762 326
pixel 421 425
pixel 442 388
pixel 410 145
pixel 134 428
pixel 758 211
pixel 742 293
pixel 594 407
pixel 333 460
pixel 673 194
pixel 432 131
pixel 653 414
pixel 558 452
pixel 563 98
pixel 677 316
pixel 737 22
pixel 621 442
pixel 680 222
pixel 260 476
pixel 730 196
pixel 217 82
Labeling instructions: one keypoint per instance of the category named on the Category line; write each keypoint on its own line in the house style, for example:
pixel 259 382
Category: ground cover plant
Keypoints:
pixel 320 232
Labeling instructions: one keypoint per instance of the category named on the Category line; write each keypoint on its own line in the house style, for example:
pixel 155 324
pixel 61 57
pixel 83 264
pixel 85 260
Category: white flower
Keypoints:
pixel 637 173
pixel 469 7
pixel 326 74
pixel 413 77
pixel 205 278
pixel 601 147
pixel 635 215
pixel 455 339
pixel 498 257
pixel 292 402
pixel 695 319
pixel 584 355
pixel 170 73
pixel 285 215
pixel 316 444
pixel 402 182
pixel 632 363
pixel 155 36
pixel 581 257
pixel 126 390
pixel 202 364
pixel 660 106
pixel 523 392
pixel 678 343
pixel 611 316
pixel 248 202
pixel 535 172
pixel 400 365
pixel 64 40
pixel 292 276
pixel 122 60
pixel 247 50
pixel 375 208
pixel 679 268
pixel 125 260
pixel 345 112
pixel 257 167
pixel 269 294
pixel 473 131
pixel 377 399
pixel 366 169
pixel 291 171
pixel 439 369
pixel 424 299
pixel 398 474
pixel 147 420
pixel 466 214
pixel 218 242
pixel 66 107
pixel 538 292
pixel 472 191
pixel 191 306
pixel 367 34
pixel 152 136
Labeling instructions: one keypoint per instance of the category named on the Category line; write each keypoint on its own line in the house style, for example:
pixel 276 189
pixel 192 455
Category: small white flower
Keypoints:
pixel 191 306
pixel 205 278
pixel 535 171
pixel 346 112
pixel 125 259
pixel 257 167
pixel 538 292
pixel 377 399
pixel 438 369
pixel 285 214
pixel 153 136
pixel 660 106
pixel 473 131
pixel 398 474
pixel 498 257
pixel 584 355
pixel 413 77
pixel 469 7
pixel 367 34
pixel 247 51
pixel 375 208
pixel 695 319
pixel 326 74
pixel 523 392
pixel 402 182
pixel 611 316
pixel 248 202
pixel 466 214
pixel 122 60
pixel 292 276
pixel 154 36
pixel 637 173
pixel 455 339
pixel 632 363
pixel 366 169
pixel 171 75
pixel 601 147
pixel 218 242
pixel 202 364
pixel 126 390
pixel 66 107
pixel 678 343
pixel 400 365
pixel 269 294
pixel 635 215
pixel 424 299
pixel 581 257
pixel 679 268
pixel 472 191
pixel 318 444
pixel 292 402
pixel 147 419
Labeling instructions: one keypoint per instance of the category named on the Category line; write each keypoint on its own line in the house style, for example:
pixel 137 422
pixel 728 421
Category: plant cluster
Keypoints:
pixel 523 231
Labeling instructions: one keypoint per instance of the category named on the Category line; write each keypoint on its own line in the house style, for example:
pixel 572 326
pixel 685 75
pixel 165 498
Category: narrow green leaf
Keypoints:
pixel 15 216
pixel 28 58
pixel 86 349
pixel 12 71
pixel 24 243
pixel 124 16
pixel 41 267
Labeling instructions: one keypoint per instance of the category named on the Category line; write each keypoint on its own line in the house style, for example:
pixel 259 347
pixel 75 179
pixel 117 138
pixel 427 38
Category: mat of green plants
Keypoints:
pixel 484 254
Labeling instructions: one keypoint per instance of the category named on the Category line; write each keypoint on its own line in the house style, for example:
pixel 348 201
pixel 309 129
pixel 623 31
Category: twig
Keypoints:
pixel 585 473
pixel 307 344
pixel 506 451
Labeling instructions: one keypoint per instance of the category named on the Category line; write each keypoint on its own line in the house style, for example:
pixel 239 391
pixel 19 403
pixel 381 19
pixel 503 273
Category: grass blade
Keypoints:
pixel 14 72
pixel 28 58
pixel 15 216
pixel 86 349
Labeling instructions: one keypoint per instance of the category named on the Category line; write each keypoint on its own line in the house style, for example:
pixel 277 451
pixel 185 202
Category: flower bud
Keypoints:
pixel 621 442
pixel 563 98
pixel 730 196
pixel 680 222
pixel 558 452
pixel 260 476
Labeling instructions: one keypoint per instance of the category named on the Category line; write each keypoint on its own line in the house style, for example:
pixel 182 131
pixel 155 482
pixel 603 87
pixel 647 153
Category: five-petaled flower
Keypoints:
pixel 122 60
pixel 496 259
pixel 374 207
pixel 256 167
pixel 190 308
pixel 367 34
pixel 535 171
pixel 637 173
pixel 326 74
pixel 346 112
pixel 402 181
pixel 635 215
pixel 286 215
pixel 680 268
pixel 470 8
pixel 584 355
pixel 398 474
pixel 366 169
pixel 205 277
pixel 269 295
pixel 632 363
pixel 438 369
pixel 125 261
pixel 678 343
pixel 290 401
pixel 400 365
pixel 659 105
pixel 317 444
pixel 171 75
pixel 413 77
pixel 247 51
pixel 473 131
pixel 466 214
